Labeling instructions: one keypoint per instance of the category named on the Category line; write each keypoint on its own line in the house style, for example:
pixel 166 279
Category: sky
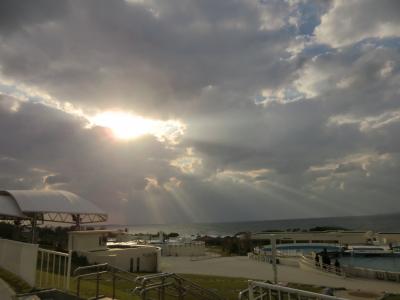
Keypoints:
pixel 176 111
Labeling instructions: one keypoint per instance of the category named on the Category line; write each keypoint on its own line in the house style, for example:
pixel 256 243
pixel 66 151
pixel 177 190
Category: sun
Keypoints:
pixel 127 126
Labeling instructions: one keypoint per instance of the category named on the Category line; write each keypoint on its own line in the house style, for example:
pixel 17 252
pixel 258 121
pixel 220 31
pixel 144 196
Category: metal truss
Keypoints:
pixel 72 219
pixel 57 218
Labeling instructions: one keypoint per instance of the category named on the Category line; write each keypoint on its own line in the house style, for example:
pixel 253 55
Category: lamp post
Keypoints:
pixel 34 224
pixel 274 267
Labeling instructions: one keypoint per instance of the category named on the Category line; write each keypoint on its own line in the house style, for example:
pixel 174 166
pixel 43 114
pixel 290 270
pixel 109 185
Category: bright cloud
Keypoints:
pixel 127 126
pixel 348 22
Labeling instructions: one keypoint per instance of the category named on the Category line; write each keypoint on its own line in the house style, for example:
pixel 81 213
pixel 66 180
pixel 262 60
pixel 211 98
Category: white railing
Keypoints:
pixel 265 291
pixel 54 269
pixel 328 268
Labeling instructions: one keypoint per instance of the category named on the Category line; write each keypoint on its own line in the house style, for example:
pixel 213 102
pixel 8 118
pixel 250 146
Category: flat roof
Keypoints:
pixel 83 232
pixel 307 232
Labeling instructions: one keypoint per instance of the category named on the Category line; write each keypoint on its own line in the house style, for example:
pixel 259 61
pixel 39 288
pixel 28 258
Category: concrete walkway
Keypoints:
pixel 241 266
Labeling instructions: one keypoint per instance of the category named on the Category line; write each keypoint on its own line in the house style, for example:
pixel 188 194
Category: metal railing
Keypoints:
pixel 158 286
pixel 265 291
pixel 99 273
pixel 169 284
pixel 54 269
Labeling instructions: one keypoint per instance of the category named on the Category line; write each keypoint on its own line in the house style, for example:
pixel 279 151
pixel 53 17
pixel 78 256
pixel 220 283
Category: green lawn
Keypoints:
pixel 392 297
pixel 16 283
pixel 226 287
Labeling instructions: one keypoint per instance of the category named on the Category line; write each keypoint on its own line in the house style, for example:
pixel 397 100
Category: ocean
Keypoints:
pixel 376 223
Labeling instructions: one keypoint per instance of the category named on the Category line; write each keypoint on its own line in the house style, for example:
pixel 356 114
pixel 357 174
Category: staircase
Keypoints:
pixel 160 286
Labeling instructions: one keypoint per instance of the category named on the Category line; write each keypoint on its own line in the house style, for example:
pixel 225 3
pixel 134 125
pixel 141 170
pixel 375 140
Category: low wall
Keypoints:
pixel 349 271
pixel 19 258
pixel 371 274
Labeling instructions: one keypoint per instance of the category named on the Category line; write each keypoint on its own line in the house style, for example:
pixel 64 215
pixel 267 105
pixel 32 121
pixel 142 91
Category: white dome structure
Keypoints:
pixel 49 205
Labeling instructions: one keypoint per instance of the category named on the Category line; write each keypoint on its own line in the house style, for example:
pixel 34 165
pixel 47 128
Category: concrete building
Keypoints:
pixel 132 258
pixel 169 247
pixel 388 237
pixel 191 248
pixel 331 237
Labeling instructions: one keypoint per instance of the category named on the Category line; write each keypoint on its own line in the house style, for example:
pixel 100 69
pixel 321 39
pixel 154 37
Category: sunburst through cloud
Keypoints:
pixel 127 126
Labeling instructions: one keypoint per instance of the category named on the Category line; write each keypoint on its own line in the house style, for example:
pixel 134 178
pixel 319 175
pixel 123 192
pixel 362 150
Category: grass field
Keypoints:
pixel 226 287
pixel 16 283
pixel 392 297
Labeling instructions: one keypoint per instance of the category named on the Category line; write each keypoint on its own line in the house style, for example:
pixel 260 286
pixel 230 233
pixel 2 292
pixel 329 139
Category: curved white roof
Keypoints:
pixel 49 205
pixel 9 208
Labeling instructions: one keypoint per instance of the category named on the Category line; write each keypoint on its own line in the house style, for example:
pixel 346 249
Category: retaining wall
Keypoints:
pixel 19 258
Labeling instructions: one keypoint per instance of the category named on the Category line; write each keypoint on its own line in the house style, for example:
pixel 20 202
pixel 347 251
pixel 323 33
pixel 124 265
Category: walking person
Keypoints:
pixel 337 266
pixel 317 260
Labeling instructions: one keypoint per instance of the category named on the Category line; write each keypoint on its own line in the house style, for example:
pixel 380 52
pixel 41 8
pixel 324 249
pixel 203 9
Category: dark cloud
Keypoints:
pixel 277 125
pixel 113 54
pixel 19 15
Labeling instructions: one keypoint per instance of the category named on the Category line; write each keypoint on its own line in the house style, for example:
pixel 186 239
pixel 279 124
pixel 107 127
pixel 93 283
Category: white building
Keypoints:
pixel 183 248
pixel 330 237
pixel 176 247
pixel 131 258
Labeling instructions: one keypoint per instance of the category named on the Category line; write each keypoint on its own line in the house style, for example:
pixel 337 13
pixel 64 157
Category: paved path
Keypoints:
pixel 241 266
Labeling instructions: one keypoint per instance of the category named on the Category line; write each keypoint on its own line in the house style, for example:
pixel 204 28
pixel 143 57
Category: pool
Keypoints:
pixel 304 248
pixel 385 263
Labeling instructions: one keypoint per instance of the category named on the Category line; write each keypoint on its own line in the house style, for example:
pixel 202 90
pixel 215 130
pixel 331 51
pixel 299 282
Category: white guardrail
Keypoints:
pixel 54 269
pixel 311 263
pixel 265 291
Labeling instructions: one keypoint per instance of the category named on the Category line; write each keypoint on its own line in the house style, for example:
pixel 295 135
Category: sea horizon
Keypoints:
pixel 379 222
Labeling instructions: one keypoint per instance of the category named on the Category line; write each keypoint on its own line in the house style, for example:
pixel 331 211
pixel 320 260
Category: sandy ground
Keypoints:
pixel 241 266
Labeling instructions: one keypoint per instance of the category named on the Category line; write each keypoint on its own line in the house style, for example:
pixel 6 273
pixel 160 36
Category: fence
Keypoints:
pixel 54 269
pixel 265 291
